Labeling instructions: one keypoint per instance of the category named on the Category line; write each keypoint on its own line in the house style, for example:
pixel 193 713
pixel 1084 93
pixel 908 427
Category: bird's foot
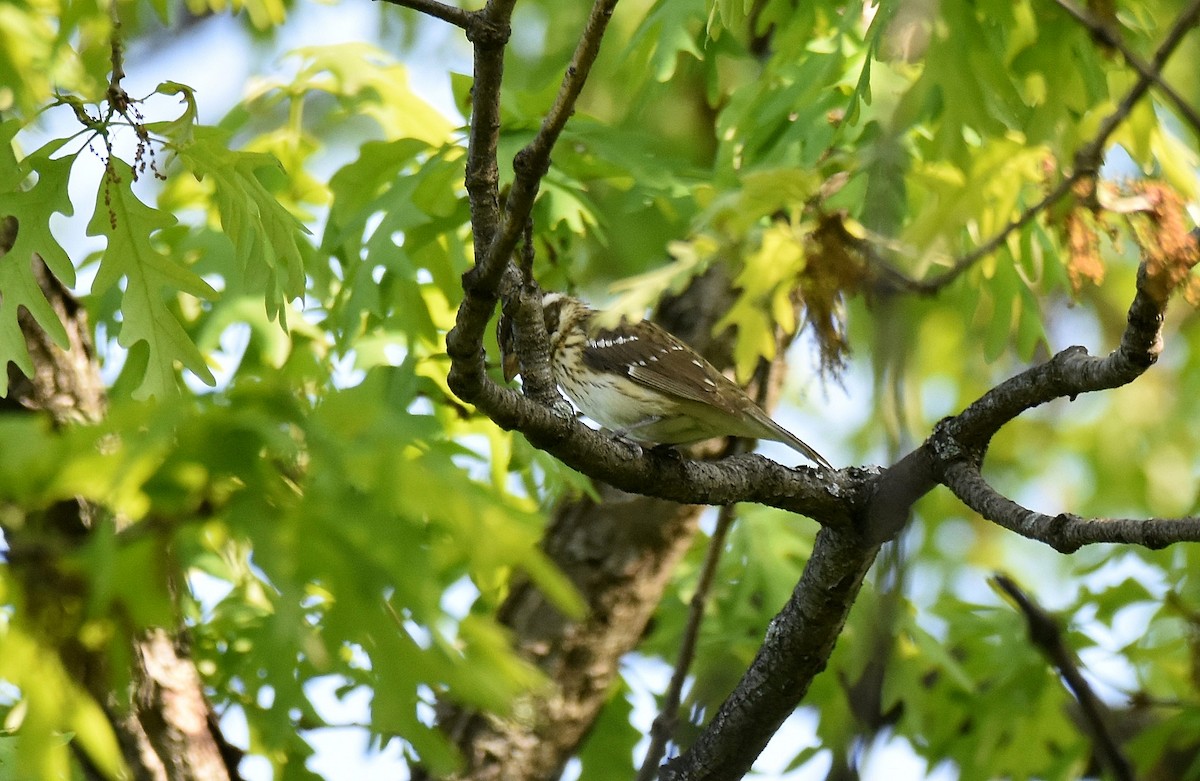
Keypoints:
pixel 621 435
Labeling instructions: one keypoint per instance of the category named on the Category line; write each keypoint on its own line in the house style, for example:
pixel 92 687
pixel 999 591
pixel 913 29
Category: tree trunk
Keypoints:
pixel 165 727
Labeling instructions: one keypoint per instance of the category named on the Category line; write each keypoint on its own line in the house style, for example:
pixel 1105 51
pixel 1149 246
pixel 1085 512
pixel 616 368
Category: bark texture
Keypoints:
pixel 620 553
pixel 164 725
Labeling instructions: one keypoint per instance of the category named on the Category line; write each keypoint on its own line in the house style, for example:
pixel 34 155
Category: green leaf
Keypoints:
pixel 11 173
pixel 669 29
pixel 131 579
pixel 180 130
pixel 358 186
pixel 264 234
pixel 51 706
pixel 32 209
pixel 129 226
pixel 607 753
pixel 263 14
pixel 368 81
pixel 411 193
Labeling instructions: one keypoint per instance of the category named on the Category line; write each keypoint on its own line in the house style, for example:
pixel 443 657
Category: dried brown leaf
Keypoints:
pixel 833 270
pixel 1083 245
pixel 1169 250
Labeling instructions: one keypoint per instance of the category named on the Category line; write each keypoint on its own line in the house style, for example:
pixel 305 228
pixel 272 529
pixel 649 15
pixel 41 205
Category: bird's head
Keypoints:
pixel 560 313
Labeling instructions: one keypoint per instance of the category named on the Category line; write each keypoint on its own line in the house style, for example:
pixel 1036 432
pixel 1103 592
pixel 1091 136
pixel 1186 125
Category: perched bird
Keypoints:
pixel 641 382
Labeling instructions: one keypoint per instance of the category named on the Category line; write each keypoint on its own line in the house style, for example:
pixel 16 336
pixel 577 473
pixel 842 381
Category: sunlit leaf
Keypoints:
pixel 149 277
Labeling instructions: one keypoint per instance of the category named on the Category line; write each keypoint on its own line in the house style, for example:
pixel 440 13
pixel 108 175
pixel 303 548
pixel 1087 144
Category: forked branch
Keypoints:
pixel 958 443
pixel 1087 159
pixel 1108 35
pixel 858 508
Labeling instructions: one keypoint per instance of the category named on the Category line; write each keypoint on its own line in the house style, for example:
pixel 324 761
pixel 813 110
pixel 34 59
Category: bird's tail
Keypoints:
pixel 781 434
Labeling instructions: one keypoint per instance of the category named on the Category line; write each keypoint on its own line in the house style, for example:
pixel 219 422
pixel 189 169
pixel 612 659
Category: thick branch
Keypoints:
pixel 1046 633
pixel 796 648
pixel 827 497
pixel 801 637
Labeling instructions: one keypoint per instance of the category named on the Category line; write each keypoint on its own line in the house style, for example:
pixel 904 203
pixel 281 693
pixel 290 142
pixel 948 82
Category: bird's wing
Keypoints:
pixel 650 356
pixel 653 358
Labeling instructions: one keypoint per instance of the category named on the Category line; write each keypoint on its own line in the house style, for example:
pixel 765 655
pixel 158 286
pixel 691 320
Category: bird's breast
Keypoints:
pixel 613 401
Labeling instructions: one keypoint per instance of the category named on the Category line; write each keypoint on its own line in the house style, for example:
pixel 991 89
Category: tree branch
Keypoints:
pixel 1064 532
pixel 1108 35
pixel 447 13
pixel 858 508
pixel 620 553
pixel 800 639
pixel 496 238
pixel 958 444
pixel 1046 634
pixel 827 497
pixel 796 648
pixel 1087 162
pixel 1068 374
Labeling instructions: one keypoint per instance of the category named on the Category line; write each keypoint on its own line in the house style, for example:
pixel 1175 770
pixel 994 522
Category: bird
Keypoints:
pixel 641 382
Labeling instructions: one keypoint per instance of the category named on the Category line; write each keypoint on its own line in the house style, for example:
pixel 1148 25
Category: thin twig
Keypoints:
pixel 532 162
pixel 1046 634
pixel 483 174
pixel 937 282
pixel 496 236
pixel 1107 34
pixel 447 13
pixel 1065 532
pixel 663 728
pixel 1087 159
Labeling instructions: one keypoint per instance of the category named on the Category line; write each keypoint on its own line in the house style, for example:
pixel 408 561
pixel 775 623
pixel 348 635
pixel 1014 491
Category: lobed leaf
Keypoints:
pixel 150 276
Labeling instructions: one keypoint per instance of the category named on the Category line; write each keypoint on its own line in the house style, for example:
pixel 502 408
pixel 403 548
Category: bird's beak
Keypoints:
pixel 512 366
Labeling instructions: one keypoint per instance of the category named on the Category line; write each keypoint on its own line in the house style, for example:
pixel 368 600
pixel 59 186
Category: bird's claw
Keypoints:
pixel 636 450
